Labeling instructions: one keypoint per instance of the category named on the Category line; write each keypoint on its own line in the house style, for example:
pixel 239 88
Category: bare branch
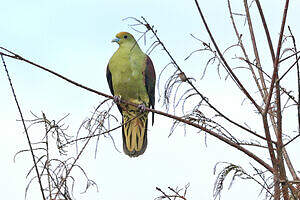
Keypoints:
pixel 247 152
pixel 227 67
pixel 25 129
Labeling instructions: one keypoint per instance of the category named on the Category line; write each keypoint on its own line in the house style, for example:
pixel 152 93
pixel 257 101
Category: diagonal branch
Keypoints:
pixel 192 85
pixel 25 129
pixel 241 45
pixel 227 141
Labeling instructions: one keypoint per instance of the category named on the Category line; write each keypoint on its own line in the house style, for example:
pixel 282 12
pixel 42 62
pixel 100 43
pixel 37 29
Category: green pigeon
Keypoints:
pixel 131 77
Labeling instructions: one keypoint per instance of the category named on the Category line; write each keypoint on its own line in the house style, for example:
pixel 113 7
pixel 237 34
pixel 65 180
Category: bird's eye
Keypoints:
pixel 125 36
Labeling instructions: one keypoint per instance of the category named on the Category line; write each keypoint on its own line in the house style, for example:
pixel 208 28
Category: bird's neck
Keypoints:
pixel 130 48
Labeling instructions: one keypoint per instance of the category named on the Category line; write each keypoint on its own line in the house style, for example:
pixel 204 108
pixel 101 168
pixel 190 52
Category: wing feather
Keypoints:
pixel 110 84
pixel 150 79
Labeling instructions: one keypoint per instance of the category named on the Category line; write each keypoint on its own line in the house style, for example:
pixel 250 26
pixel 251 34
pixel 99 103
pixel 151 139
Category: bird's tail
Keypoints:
pixel 134 131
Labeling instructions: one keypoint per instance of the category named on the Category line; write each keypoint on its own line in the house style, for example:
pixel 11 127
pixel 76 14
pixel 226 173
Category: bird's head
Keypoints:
pixel 124 38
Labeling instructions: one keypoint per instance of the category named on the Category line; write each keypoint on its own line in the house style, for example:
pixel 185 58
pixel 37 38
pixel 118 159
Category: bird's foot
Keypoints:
pixel 117 99
pixel 142 108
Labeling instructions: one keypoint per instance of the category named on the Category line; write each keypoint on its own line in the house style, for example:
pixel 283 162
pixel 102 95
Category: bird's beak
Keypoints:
pixel 116 40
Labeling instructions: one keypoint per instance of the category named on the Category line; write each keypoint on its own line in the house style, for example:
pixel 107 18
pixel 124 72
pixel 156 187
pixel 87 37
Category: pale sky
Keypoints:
pixel 74 38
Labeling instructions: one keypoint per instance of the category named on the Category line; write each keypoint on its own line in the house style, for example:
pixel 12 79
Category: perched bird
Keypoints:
pixel 131 77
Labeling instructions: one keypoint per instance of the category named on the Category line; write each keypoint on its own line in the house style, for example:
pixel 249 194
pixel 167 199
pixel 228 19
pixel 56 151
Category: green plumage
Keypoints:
pixel 131 76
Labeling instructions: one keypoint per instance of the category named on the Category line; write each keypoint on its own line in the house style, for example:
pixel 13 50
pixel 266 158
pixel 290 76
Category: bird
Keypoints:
pixel 131 77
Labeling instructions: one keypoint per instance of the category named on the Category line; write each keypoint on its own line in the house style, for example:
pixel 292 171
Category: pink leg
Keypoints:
pixel 142 107
pixel 117 99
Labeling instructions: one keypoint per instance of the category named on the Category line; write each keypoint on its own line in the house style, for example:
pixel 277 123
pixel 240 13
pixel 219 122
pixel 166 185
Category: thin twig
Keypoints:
pixel 192 85
pixel 25 129
pixel 257 58
pixel 262 16
pixel 165 195
pixel 294 64
pixel 227 67
pixel 102 133
pixel 276 61
pixel 298 77
pixel 47 163
pixel 294 54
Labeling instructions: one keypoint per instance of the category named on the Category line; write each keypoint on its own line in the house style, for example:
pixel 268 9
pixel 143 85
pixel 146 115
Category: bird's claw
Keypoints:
pixel 142 107
pixel 117 99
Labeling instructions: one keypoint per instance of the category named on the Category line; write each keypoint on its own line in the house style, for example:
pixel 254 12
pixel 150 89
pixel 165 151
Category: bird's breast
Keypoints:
pixel 127 77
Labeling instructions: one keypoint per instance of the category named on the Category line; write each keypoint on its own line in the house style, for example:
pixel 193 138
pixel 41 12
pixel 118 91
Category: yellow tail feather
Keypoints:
pixel 134 132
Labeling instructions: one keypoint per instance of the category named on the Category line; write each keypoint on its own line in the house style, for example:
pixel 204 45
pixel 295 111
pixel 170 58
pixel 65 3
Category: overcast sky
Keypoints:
pixel 74 38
